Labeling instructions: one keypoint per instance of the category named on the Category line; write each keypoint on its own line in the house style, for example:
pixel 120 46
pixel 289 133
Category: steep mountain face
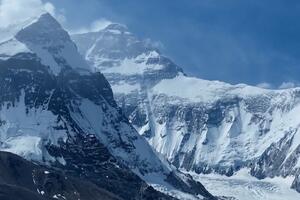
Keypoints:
pixel 198 125
pixel 56 112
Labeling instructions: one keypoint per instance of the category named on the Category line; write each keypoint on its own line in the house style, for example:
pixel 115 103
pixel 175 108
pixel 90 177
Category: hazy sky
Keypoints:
pixel 254 41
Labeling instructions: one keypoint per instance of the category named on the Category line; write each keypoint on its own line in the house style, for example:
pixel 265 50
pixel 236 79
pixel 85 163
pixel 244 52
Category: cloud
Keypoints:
pixel 154 44
pixel 100 24
pixel 14 11
pixel 49 7
pixel 95 26
pixel 286 85
pixel 265 85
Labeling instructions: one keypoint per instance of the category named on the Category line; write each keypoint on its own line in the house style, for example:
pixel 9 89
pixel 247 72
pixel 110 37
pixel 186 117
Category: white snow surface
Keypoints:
pixel 198 90
pixel 25 146
pixel 12 47
pixel 245 187
pixel 24 133
pixel 135 66
pixel 125 88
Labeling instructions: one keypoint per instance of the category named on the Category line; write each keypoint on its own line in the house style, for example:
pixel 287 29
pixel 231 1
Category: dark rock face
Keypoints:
pixel 89 159
pixel 21 179
pixel 190 186
pixel 269 164
pixel 9 192
pixel 296 183
pixel 46 31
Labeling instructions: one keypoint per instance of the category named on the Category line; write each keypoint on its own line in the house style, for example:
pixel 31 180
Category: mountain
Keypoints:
pixel 197 125
pixel 58 113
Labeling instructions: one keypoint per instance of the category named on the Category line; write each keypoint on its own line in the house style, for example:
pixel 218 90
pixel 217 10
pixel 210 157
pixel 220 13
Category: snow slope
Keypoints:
pixel 12 47
pixel 203 90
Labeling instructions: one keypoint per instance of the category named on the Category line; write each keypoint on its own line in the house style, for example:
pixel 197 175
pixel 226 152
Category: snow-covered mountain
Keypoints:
pixel 198 125
pixel 56 111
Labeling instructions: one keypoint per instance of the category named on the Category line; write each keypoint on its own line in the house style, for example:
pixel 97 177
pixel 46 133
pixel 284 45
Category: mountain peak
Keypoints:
pixel 45 38
pixel 115 50
pixel 44 30
pixel 117 28
pixel 48 20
